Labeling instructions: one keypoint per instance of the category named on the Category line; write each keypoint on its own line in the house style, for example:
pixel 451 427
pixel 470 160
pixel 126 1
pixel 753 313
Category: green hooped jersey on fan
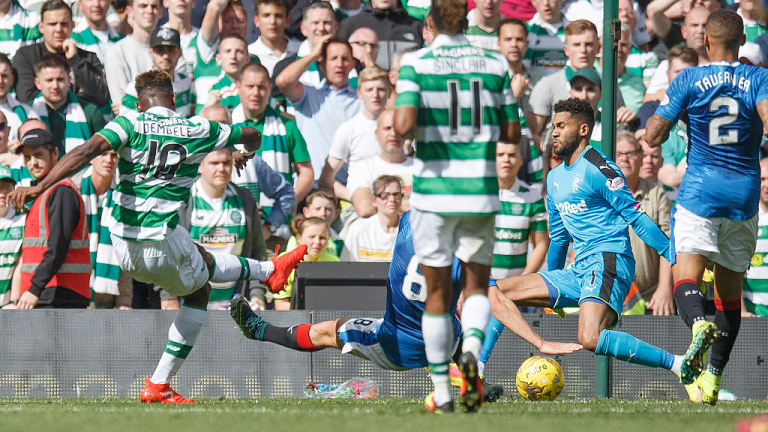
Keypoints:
pixel 756 279
pixel 218 225
pixel 159 155
pixel 463 95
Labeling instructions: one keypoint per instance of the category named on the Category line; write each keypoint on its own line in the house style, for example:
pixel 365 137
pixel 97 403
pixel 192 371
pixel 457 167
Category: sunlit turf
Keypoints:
pixel 393 415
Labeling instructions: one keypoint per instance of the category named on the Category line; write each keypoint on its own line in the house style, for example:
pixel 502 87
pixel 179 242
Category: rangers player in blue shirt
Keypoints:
pixel 589 204
pixel 715 216
pixel 394 342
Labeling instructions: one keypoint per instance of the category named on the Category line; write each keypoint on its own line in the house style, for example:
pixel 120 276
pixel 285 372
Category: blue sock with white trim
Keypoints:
pixel 492 333
pixel 628 348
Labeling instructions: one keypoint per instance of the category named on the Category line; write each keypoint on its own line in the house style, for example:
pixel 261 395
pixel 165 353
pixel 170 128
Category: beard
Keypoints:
pixel 567 147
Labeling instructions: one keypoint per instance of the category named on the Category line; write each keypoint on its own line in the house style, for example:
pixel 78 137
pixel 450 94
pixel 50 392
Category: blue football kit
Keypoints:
pixel 720 103
pixel 399 333
pixel 588 202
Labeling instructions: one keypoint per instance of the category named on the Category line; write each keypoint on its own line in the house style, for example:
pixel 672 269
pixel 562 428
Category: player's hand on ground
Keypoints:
pixel 27 301
pixel 556 348
pixel 747 314
pixel 662 303
pixel 21 195
pixel 239 160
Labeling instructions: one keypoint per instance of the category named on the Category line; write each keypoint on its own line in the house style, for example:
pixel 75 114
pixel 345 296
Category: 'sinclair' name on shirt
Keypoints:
pixel 722 77
pixel 460 65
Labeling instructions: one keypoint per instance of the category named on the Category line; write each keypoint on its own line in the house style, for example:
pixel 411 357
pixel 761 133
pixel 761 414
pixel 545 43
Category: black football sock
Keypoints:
pixel 728 322
pixel 296 337
pixel 690 301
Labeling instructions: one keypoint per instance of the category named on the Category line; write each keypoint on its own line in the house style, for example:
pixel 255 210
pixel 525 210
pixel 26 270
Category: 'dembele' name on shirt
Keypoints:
pixel 722 77
pixel 176 127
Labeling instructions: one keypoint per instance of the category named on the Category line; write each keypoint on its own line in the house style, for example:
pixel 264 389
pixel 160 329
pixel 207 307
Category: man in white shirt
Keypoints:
pixel 390 161
pixel 272 45
pixel 130 56
pixel 355 140
pixel 372 239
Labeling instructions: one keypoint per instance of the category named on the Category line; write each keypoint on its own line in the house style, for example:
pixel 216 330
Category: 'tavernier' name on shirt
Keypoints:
pixel 721 77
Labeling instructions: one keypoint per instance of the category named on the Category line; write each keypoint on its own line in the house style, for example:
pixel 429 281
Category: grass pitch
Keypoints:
pixel 389 415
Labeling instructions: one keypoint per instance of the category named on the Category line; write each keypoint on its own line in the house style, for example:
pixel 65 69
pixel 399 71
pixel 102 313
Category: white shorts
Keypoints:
pixel 174 264
pixel 436 238
pixel 723 241
pixel 359 337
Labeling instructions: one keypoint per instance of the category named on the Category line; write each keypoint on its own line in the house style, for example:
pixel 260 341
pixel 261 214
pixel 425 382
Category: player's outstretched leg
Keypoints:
pixel 594 317
pixel 274 273
pixel 254 327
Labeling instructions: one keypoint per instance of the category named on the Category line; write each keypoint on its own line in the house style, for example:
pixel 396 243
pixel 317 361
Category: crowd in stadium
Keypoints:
pixel 318 80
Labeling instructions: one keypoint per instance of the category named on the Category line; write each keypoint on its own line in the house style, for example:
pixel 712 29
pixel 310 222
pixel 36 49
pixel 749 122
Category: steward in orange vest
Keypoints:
pixel 56 263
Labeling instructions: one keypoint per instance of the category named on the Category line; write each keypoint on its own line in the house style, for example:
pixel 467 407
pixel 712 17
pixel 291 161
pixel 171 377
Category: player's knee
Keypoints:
pixel 207 258
pixel 200 297
pixel 588 339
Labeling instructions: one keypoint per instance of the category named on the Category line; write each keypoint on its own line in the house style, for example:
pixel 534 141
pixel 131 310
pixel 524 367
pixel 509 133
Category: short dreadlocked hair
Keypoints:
pixel 154 81
pixel 580 110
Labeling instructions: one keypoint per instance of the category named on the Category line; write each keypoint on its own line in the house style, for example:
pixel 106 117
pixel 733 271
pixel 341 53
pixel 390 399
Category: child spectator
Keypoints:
pixel 314 233
pixel 323 204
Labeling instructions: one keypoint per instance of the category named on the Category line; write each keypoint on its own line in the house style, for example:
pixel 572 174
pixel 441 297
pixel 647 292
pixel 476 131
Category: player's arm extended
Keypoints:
pixel 657 130
pixel 624 203
pixel 71 163
pixel 559 238
pixel 506 311
pixel 651 234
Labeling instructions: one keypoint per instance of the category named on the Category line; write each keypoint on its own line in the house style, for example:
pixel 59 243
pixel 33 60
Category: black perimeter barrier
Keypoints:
pixel 106 353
